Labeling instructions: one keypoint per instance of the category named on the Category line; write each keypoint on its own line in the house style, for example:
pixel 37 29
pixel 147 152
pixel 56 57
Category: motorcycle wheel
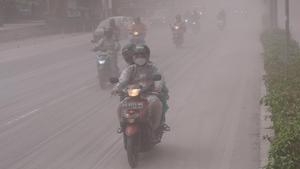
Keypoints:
pixel 125 141
pixel 103 80
pixel 132 153
pixel 178 45
pixel 178 42
pixel 102 84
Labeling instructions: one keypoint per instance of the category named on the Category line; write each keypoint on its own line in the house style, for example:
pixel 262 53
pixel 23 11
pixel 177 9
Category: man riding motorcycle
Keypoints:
pixel 222 18
pixel 112 27
pixel 137 31
pixel 128 51
pixel 108 44
pixel 115 29
pixel 180 23
pixel 196 16
pixel 195 22
pixel 143 69
pixel 178 30
pixel 221 15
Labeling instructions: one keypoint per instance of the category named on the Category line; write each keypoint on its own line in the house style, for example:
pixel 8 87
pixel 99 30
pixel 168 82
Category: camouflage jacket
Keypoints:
pixel 135 74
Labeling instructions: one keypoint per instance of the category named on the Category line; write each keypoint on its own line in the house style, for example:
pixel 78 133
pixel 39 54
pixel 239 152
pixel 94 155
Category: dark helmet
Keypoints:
pixel 142 51
pixel 137 20
pixel 128 52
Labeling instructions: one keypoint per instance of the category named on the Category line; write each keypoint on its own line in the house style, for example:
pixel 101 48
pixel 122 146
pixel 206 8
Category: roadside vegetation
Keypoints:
pixel 282 80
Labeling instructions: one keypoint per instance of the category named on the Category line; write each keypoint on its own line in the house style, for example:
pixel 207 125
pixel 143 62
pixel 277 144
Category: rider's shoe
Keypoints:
pixel 119 130
pixel 166 127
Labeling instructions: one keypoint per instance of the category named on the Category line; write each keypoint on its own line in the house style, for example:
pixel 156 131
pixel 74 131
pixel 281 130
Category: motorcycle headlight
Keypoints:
pixel 186 21
pixel 101 62
pixel 127 115
pixel 136 33
pixel 176 27
pixel 133 92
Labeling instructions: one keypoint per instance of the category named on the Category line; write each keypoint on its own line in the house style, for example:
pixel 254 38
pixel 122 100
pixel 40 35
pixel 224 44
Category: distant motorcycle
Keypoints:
pixel 142 129
pixel 178 35
pixel 104 69
pixel 137 38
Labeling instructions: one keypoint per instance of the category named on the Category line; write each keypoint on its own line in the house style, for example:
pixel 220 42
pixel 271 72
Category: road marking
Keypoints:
pixel 22 117
pixel 49 104
pixel 77 91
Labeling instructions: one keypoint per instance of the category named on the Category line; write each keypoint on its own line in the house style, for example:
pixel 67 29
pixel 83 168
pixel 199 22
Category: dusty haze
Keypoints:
pixel 54 115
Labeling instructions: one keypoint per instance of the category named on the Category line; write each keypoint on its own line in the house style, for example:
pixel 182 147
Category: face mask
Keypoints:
pixel 140 61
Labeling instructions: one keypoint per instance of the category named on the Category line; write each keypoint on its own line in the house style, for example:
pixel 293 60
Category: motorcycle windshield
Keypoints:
pixel 102 57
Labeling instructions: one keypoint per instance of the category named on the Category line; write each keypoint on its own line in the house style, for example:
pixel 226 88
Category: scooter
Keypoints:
pixel 178 37
pixel 104 69
pixel 141 128
pixel 137 38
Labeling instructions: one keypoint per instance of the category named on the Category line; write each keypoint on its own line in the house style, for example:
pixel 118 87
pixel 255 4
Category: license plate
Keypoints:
pixel 131 120
pixel 133 106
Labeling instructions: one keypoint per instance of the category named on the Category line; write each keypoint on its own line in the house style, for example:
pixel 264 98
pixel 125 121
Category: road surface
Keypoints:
pixel 53 114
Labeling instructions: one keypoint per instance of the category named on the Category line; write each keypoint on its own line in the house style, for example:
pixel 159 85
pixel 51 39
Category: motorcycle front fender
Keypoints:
pixel 101 67
pixel 131 130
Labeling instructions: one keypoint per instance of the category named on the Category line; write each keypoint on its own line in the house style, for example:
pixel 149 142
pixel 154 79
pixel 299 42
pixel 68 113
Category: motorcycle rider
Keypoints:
pixel 187 16
pixel 138 26
pixel 144 69
pixel 108 44
pixel 221 16
pixel 179 23
pixel 113 27
pixel 128 52
pixel 178 30
pixel 196 16
pixel 195 21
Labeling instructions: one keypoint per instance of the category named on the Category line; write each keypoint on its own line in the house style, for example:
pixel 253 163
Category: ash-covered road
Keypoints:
pixel 53 114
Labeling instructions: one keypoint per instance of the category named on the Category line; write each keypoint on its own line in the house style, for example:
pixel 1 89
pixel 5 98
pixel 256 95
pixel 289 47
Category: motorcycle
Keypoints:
pixel 137 38
pixel 141 121
pixel 177 36
pixel 104 69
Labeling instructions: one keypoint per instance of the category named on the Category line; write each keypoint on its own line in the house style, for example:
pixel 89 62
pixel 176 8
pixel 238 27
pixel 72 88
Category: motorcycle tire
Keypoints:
pixel 125 141
pixel 132 153
pixel 103 81
pixel 102 84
